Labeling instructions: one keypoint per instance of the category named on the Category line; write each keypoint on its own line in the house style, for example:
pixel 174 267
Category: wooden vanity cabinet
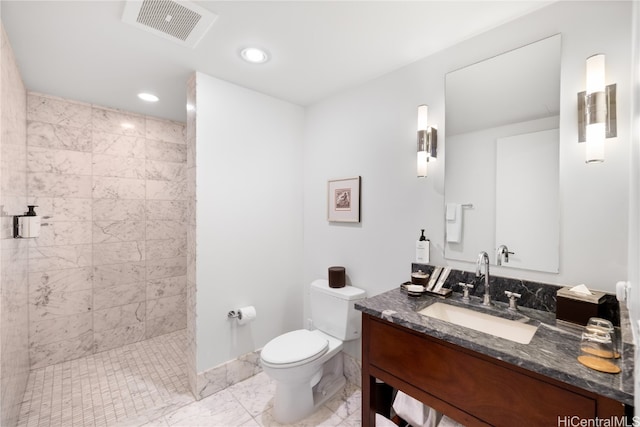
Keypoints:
pixel 471 388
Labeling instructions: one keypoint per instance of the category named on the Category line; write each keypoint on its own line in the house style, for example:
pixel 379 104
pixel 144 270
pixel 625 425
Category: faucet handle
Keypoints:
pixel 513 297
pixel 465 290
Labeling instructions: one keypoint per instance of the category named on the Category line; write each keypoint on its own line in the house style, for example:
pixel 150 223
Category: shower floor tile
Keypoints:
pixel 117 387
pixel 145 384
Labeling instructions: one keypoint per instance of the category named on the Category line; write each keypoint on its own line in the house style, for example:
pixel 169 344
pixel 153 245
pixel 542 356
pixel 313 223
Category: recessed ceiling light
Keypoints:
pixel 149 97
pixel 254 55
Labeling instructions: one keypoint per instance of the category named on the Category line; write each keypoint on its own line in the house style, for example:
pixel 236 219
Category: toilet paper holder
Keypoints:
pixel 235 314
pixel 243 315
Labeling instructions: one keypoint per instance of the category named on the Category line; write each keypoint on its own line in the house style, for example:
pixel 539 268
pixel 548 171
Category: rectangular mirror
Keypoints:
pixel 501 157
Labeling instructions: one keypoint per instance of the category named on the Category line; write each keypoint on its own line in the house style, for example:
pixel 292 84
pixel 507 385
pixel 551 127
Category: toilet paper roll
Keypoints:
pixel 246 314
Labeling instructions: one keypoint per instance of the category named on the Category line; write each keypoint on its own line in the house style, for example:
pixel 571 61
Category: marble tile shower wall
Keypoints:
pixel 109 267
pixel 14 324
pixel 191 350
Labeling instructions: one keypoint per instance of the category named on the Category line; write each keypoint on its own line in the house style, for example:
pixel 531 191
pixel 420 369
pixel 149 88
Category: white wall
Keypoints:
pixel 249 218
pixel 370 131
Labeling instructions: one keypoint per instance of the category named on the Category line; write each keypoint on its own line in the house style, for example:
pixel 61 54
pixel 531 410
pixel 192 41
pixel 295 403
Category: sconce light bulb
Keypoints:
pixel 595 143
pixel 595 74
pixel 422 117
pixel 595 109
pixel 422 164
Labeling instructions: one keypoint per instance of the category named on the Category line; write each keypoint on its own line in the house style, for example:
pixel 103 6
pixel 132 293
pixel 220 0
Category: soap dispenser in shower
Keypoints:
pixel 28 225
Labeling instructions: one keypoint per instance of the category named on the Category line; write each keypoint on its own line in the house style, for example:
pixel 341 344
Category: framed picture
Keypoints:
pixel 343 204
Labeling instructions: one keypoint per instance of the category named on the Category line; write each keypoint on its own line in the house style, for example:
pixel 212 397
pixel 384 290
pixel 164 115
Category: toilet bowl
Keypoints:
pixel 298 361
pixel 307 365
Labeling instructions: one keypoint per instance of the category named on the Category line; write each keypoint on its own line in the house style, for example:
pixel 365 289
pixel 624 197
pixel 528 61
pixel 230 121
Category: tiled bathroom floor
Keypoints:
pixel 145 384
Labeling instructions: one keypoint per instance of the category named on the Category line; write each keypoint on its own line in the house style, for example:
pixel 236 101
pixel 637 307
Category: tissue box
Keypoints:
pixel 578 308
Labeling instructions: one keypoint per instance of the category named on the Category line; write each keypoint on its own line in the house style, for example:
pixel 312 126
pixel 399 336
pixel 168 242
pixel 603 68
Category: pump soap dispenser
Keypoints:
pixel 422 249
pixel 28 225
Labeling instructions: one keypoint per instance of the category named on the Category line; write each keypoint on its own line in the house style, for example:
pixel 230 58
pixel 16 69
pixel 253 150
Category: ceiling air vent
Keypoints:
pixel 181 21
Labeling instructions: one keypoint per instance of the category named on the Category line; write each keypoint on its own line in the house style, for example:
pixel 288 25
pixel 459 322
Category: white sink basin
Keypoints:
pixel 481 322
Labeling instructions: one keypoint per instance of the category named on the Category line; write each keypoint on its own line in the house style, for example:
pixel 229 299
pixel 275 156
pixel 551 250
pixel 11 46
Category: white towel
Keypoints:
pixel 448 422
pixel 414 412
pixel 454 227
pixel 384 422
pixel 451 211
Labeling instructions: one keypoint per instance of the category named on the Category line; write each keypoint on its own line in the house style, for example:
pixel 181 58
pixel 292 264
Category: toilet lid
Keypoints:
pixel 294 346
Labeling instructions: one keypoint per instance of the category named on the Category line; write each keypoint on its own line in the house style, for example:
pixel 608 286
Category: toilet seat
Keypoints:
pixel 294 348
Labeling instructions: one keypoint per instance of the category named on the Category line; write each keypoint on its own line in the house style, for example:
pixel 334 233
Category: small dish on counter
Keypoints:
pixel 414 290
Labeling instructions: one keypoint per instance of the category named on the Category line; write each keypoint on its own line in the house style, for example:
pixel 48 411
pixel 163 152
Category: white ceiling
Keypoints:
pixel 82 50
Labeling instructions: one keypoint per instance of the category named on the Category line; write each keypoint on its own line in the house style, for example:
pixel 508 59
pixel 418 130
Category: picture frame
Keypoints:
pixel 343 199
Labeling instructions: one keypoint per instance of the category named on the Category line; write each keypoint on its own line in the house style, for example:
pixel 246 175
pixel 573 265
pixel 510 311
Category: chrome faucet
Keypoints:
pixel 502 254
pixel 483 258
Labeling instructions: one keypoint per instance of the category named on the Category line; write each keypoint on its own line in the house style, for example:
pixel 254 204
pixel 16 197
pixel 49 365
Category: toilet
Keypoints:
pixel 307 364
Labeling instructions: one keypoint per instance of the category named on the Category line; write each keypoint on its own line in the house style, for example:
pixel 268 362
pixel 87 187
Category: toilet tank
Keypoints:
pixel 332 310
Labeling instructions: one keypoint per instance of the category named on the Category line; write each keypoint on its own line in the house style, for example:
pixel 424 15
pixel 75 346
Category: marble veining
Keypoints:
pixel 60 328
pixel 57 185
pixel 165 190
pixel 43 283
pixel 227 374
pixel 119 316
pixel 118 166
pixel 125 386
pixel 165 171
pixel 48 303
pixel 58 161
pixel 162 325
pixel 167 210
pixel 58 111
pixel 535 295
pixel 118 337
pixel 117 122
pixel 160 307
pixel 169 248
pixel 166 151
pixel 169 267
pixel 190 217
pixel 165 130
pixel 113 296
pixel 118 210
pixel 110 186
pixel 118 145
pixel 165 287
pixel 255 393
pixel 60 137
pixel 59 351
pixel 59 257
pixel 62 209
pixel 118 274
pixel 118 231
pixel 352 369
pixel 552 351
pixel 119 252
pixel 14 315
pixel 60 233
pixel 106 187
pixel 165 230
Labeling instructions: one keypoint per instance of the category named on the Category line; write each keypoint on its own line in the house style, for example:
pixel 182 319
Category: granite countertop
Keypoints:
pixel 552 352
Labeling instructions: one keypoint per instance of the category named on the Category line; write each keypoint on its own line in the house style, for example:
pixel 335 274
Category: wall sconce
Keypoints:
pixel 596 111
pixel 427 141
